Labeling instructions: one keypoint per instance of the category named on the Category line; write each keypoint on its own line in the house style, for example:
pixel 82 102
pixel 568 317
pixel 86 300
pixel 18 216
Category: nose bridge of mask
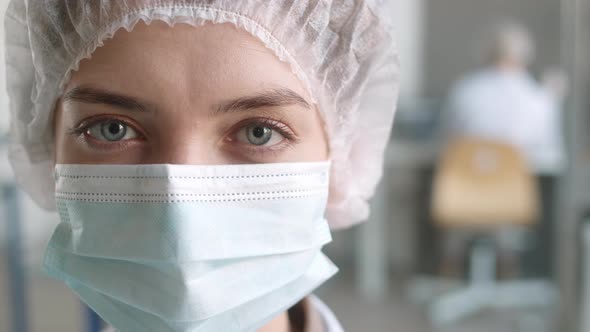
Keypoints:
pixel 194 180
pixel 181 212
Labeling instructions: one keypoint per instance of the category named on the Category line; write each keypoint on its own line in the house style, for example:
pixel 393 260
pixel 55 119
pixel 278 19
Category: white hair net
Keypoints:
pixel 342 50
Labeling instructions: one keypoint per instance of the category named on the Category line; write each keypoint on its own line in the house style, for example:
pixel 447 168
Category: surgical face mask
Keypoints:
pixel 191 248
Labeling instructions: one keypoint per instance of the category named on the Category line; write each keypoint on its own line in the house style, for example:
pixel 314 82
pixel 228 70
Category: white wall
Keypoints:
pixel 3 97
pixel 454 28
pixel 409 22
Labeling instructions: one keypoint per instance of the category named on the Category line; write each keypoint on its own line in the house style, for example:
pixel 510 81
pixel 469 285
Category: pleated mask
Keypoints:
pixel 191 248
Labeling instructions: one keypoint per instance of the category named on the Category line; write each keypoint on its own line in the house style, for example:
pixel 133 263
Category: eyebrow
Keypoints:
pixel 91 95
pixel 270 98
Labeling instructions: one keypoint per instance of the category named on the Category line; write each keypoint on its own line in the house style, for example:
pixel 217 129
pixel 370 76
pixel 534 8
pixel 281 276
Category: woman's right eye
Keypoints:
pixel 259 135
pixel 111 131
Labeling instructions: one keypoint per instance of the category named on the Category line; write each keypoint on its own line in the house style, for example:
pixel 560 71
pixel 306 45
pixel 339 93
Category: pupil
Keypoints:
pixel 258 132
pixel 114 128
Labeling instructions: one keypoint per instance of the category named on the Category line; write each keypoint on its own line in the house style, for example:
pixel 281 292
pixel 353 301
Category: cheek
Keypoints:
pixel 317 148
pixel 315 145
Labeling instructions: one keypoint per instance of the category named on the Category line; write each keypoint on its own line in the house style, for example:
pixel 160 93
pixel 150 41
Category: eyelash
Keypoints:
pixel 290 138
pixel 82 128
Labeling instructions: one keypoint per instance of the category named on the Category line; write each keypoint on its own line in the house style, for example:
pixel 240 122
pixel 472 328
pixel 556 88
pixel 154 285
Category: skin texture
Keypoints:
pixel 187 95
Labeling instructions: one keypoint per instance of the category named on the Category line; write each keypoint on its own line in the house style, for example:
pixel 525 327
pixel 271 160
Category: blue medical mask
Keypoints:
pixel 191 248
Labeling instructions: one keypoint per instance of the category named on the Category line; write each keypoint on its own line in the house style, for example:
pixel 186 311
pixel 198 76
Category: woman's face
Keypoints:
pixel 186 95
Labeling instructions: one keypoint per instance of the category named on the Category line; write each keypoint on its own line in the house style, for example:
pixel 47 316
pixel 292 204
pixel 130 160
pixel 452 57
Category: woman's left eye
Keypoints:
pixel 111 131
pixel 259 135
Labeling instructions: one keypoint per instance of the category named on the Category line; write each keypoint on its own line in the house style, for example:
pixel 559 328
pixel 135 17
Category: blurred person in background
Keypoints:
pixel 503 102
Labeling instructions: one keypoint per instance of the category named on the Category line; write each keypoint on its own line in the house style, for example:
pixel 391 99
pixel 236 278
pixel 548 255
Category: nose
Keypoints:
pixel 187 149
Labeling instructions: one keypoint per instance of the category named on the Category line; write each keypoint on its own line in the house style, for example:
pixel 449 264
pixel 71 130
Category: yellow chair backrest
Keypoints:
pixel 481 183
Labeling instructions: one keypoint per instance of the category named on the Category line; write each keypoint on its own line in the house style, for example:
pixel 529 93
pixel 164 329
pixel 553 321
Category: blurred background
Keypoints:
pixel 482 220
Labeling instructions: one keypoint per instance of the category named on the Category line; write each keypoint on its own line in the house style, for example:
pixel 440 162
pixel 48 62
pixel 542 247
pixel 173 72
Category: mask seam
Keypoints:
pixel 185 177
pixel 96 200
pixel 188 194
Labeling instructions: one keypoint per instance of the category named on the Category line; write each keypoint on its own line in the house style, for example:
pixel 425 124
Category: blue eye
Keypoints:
pixel 259 135
pixel 111 131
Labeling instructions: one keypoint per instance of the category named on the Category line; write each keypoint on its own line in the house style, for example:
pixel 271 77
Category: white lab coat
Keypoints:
pixel 511 107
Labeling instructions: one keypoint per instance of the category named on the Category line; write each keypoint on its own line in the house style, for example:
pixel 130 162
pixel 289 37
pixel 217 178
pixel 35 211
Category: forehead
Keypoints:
pixel 194 64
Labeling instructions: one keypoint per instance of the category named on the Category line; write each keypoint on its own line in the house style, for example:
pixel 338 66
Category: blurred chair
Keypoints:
pixel 482 188
pixel 483 185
